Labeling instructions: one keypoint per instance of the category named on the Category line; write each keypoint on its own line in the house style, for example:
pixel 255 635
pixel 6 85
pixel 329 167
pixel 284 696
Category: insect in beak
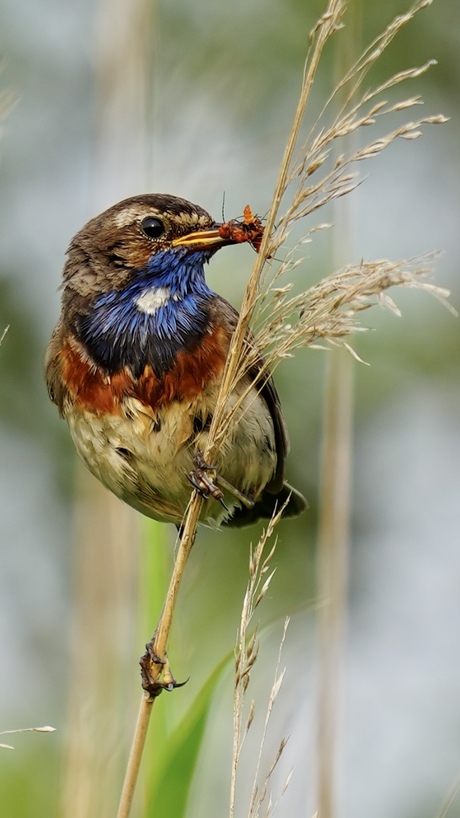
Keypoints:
pixel 236 231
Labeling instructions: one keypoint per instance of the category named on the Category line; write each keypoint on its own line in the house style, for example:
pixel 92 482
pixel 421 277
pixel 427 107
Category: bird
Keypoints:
pixel 135 363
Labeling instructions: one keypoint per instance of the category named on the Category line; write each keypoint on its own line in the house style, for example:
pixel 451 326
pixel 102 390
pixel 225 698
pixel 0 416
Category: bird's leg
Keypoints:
pixel 247 501
pixel 205 478
pixel 156 673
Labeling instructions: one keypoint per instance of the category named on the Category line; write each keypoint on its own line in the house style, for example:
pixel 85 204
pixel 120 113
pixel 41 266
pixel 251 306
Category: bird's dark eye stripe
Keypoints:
pixel 152 227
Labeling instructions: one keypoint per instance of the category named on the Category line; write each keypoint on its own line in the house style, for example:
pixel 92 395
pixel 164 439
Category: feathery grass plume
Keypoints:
pixel 328 313
pixel 259 793
pixel 246 654
pixel 314 176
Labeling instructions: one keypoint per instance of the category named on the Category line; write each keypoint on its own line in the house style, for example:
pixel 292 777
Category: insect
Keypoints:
pixel 248 229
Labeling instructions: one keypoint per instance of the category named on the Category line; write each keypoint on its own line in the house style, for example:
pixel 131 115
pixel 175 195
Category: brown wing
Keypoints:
pixel 271 397
pixel 222 312
pixel 54 383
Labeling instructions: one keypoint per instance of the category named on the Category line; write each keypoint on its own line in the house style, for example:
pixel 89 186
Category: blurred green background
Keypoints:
pixel 196 99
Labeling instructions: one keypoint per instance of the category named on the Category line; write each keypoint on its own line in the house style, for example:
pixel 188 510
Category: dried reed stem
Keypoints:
pixel 320 34
pixel 332 571
pixel 161 639
pixel 334 509
pixel 323 30
pixel 324 314
pixel 135 757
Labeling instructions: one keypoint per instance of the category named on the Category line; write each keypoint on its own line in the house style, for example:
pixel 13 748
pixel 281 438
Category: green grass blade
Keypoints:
pixel 171 786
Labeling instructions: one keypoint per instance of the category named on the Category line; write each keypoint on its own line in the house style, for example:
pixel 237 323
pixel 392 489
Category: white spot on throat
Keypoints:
pixel 152 299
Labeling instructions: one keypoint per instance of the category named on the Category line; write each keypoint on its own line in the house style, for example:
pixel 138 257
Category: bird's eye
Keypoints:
pixel 153 228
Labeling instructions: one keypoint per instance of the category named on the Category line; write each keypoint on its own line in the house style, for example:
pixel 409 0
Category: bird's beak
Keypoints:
pixel 202 239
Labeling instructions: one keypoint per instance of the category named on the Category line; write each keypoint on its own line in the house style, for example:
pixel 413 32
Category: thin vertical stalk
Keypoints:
pixel 135 757
pixel 161 638
pixel 334 517
pixel 106 534
pixel 100 661
pixel 332 571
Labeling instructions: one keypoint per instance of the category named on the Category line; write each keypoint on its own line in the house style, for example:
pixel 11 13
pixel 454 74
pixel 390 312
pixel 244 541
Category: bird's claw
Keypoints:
pixel 203 479
pixel 156 673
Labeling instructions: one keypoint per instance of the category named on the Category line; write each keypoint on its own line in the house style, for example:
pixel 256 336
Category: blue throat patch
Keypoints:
pixel 163 309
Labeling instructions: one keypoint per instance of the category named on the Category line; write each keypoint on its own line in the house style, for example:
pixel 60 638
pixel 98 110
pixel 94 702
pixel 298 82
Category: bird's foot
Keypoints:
pixel 156 673
pixel 205 479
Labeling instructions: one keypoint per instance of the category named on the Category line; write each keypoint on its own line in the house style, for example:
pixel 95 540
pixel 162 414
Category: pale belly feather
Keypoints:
pixel 145 457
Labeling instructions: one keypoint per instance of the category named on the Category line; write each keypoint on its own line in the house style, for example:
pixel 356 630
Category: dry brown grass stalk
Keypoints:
pixel 246 654
pixel 161 639
pixel 328 312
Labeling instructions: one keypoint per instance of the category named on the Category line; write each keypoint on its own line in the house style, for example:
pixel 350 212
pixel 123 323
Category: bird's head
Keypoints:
pixel 134 291
pixel 154 235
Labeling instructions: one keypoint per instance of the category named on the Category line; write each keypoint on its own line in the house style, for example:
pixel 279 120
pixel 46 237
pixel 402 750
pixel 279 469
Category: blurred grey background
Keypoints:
pixel 196 99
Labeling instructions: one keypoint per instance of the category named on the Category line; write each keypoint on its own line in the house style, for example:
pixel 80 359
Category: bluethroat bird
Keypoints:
pixel 135 363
